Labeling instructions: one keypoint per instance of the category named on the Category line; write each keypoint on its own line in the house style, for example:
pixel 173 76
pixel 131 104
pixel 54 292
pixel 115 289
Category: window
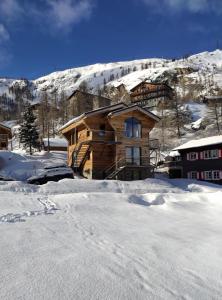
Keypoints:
pixel 208 175
pixel 212 175
pixel 193 156
pixel 215 175
pixel 133 156
pixel 211 154
pixel 132 128
pixel 193 175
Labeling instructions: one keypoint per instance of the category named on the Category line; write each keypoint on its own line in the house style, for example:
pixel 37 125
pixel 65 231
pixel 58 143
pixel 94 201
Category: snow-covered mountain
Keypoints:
pixel 201 73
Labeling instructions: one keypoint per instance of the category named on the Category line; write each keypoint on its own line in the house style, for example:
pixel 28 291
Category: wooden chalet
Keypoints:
pixel 199 159
pixel 80 102
pixel 212 100
pixel 150 94
pixel 5 136
pixel 111 142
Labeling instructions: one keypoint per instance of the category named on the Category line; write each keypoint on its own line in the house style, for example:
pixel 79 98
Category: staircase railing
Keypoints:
pixel 113 167
pixel 122 162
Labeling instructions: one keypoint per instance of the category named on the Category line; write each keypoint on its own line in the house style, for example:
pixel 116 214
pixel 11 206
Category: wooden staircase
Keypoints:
pixel 81 153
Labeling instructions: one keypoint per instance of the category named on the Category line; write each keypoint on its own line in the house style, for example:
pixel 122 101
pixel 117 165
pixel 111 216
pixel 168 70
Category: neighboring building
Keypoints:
pixel 80 102
pixel 5 136
pixel 55 144
pixel 173 164
pixel 111 142
pixel 150 94
pixel 212 100
pixel 202 159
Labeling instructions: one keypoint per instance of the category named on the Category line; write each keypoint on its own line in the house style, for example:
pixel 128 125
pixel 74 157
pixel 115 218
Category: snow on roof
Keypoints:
pixel 213 140
pixel 174 153
pixel 72 121
pixel 4 125
pixel 98 110
pixel 135 107
pixel 213 97
pixel 56 142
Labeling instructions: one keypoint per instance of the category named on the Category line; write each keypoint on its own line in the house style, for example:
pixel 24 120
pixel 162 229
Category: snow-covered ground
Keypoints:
pixel 20 166
pixel 81 239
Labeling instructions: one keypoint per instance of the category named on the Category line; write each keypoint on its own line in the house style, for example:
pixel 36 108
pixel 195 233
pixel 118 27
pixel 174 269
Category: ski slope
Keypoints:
pixel 80 239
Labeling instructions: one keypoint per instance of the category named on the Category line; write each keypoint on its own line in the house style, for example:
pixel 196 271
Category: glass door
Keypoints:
pixel 133 156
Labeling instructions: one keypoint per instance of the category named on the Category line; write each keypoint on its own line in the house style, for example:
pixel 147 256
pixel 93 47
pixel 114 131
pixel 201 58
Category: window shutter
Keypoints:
pixel 202 175
pixel 198 175
pixel 220 174
pixel 188 156
pixel 201 155
pixel 220 153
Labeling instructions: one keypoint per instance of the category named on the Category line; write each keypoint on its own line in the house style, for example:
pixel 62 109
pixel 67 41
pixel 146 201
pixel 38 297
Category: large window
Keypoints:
pixel 211 154
pixel 133 156
pixel 132 128
pixel 193 175
pixel 212 175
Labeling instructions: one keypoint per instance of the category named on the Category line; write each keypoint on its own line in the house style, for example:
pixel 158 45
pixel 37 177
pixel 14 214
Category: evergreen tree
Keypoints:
pixel 28 133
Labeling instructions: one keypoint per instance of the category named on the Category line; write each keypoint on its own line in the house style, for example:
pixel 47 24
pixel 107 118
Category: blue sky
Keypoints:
pixel 41 36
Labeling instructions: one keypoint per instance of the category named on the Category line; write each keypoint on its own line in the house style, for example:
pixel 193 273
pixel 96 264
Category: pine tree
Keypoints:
pixel 28 133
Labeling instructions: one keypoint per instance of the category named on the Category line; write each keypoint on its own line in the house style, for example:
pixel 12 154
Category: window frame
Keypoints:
pixel 216 177
pixel 192 173
pixel 193 156
pixel 133 159
pixel 132 128
pixel 211 154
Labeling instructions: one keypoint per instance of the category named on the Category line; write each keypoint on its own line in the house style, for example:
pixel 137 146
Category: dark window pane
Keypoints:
pixel 132 128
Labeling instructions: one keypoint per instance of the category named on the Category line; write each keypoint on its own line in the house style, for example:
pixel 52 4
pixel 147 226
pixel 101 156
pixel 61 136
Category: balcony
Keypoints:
pixel 102 136
pixel 147 95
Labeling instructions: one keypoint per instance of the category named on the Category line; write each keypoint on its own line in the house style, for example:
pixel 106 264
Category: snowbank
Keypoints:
pixel 79 239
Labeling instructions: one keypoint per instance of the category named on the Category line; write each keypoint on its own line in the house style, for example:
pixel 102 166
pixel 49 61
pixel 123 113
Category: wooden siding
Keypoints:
pixel 201 165
pixel 5 135
pixel 148 93
pixel 147 124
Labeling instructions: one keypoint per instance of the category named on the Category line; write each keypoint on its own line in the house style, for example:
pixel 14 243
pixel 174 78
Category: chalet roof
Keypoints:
pixel 213 140
pixel 94 112
pixel 153 83
pixel 87 94
pixel 132 108
pixel 5 127
pixel 55 142
pixel 213 97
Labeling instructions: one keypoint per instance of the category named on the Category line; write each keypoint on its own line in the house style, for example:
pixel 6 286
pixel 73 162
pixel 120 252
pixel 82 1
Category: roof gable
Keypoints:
pixel 5 127
pixel 105 109
pixel 134 108
pixel 86 94
pixel 151 83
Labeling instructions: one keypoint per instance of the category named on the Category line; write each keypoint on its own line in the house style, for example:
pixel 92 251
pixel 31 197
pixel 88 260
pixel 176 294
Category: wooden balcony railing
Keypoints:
pixel 103 136
pixel 150 95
